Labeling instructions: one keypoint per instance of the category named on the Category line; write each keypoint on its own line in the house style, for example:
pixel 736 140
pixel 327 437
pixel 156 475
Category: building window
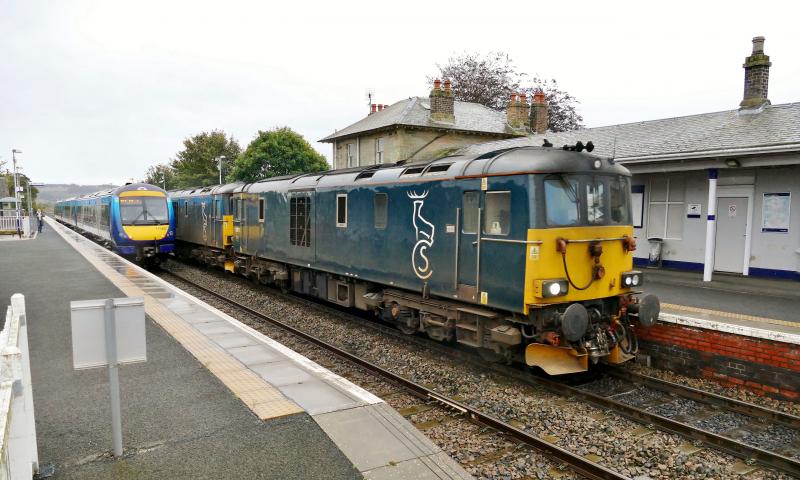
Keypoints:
pixel 351 155
pixel 379 151
pixel 341 210
pixel 665 209
pixel 497 219
pixel 261 209
pixel 381 206
pixel 300 221
pixel 469 204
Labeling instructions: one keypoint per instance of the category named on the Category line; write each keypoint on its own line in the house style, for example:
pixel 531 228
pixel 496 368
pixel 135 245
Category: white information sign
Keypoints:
pixel 775 212
pixel 694 209
pixel 89 332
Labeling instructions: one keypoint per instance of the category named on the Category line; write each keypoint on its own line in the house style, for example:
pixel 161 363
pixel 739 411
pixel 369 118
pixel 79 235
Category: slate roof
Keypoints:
pixel 727 133
pixel 415 112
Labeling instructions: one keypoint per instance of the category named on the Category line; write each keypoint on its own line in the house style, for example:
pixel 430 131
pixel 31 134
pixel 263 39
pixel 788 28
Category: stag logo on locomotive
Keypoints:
pixel 425 232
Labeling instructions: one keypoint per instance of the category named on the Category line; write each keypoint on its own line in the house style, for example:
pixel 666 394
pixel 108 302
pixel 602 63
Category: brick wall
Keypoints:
pixel 764 366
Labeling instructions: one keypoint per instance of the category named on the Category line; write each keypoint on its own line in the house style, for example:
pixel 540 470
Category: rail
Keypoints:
pixel 579 464
pixel 18 454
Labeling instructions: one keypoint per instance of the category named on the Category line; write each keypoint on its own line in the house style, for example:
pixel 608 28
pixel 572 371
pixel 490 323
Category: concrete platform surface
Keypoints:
pixel 751 307
pixel 278 386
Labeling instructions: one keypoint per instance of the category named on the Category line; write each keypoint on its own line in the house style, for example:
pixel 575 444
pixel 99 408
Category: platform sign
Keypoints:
pixel 109 332
pixel 89 349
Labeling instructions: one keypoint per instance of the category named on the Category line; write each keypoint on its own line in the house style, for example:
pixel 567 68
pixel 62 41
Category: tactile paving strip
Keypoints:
pixel 264 400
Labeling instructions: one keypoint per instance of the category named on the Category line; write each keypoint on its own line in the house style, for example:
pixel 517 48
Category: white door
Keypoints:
pixel 731 234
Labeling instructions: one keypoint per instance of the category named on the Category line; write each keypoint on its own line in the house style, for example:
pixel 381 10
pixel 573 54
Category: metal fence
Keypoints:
pixel 19 458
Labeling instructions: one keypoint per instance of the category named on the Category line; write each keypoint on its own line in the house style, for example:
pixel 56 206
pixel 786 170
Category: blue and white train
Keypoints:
pixel 135 220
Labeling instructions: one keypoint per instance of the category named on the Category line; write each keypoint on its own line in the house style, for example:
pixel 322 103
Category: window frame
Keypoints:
pixel 262 209
pixel 186 208
pixel 385 211
pixel 351 154
pixel 297 202
pixel 379 150
pixel 485 216
pixel 667 204
pixel 338 223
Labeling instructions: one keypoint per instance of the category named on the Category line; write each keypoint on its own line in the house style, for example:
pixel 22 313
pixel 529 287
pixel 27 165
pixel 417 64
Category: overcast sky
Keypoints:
pixel 96 91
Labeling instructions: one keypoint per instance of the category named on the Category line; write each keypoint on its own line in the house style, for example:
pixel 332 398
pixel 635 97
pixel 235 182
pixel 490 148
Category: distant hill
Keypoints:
pixel 52 192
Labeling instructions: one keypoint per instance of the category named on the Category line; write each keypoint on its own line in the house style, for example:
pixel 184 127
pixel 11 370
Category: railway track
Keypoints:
pixel 577 463
pixel 749 454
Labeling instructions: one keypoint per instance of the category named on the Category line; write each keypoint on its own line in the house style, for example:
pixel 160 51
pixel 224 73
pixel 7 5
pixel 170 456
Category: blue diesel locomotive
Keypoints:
pixel 135 220
pixel 524 253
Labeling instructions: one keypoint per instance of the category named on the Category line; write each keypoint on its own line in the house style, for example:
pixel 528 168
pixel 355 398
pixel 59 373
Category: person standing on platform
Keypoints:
pixel 40 217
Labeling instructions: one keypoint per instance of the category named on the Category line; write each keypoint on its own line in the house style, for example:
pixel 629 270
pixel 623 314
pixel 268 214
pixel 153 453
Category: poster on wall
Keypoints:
pixel 637 202
pixel 775 212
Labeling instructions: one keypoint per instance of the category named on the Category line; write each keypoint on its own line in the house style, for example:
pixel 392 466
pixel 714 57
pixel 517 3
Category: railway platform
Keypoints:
pixel 743 332
pixel 215 399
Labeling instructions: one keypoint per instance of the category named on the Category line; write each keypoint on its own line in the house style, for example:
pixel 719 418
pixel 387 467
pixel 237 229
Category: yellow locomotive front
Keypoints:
pixel 580 285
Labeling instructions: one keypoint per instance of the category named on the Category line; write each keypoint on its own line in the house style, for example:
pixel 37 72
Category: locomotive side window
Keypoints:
pixel 300 221
pixel 262 209
pixel 381 205
pixel 561 201
pixel 185 208
pixel 469 205
pixel 497 219
pixel 341 210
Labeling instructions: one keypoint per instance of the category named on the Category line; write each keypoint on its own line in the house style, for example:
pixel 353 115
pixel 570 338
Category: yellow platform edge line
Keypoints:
pixel 737 316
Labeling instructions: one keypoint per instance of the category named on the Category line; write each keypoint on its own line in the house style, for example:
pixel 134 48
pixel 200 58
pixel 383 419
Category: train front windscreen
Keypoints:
pixel 143 210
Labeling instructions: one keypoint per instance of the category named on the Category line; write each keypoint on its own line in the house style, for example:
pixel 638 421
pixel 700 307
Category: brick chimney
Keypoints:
pixel 517 110
pixel 442 102
pixel 756 77
pixel 539 114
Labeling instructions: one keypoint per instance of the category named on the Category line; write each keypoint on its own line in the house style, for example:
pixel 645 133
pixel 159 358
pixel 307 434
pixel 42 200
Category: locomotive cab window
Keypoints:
pixel 561 201
pixel 341 210
pixel 381 205
pixel 261 209
pixel 596 201
pixel 469 205
pixel 497 218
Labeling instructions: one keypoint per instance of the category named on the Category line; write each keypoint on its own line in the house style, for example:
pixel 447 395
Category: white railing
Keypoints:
pixel 9 224
pixel 19 458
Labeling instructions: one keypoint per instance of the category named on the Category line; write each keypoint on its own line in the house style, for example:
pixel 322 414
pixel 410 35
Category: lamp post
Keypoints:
pixel 220 159
pixel 14 153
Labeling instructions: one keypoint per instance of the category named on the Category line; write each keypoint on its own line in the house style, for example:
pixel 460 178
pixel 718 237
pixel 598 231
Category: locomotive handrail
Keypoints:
pixel 590 240
pixel 507 240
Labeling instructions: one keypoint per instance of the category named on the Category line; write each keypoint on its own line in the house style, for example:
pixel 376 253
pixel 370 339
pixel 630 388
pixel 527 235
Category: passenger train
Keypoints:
pixel 135 220
pixel 524 253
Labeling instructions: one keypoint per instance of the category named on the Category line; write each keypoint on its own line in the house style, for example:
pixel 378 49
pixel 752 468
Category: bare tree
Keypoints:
pixel 490 79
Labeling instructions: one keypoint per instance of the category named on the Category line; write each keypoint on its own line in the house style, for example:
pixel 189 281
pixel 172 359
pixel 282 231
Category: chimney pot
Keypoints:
pixel 373 108
pixel 513 97
pixel 758 44
pixel 447 85
pixel 437 84
pixel 523 98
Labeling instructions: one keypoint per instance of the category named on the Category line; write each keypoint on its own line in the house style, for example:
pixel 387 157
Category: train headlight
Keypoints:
pixel 551 288
pixel 597 164
pixel 631 279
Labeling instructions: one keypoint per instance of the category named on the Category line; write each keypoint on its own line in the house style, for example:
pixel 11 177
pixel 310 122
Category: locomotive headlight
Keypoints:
pixel 597 164
pixel 551 288
pixel 631 279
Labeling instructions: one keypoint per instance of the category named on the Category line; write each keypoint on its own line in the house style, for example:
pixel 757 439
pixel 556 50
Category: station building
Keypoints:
pixel 721 189
pixel 420 128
